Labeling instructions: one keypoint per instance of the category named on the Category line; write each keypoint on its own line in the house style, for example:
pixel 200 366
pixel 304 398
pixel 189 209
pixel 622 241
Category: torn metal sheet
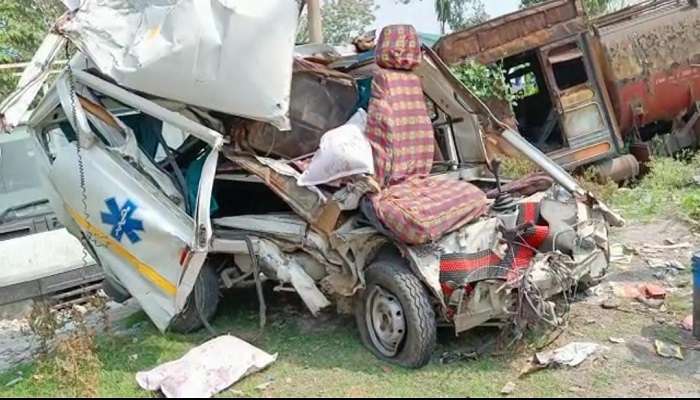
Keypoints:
pixel 210 54
pixel 488 301
pixel 286 268
pixel 559 174
pixel 206 369
pixel 15 105
pixel 288 227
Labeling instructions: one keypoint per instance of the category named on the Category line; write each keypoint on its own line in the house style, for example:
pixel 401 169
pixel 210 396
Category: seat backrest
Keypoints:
pixel 398 126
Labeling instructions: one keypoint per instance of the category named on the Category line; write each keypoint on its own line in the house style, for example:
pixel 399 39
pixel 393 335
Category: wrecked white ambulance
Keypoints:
pixel 193 148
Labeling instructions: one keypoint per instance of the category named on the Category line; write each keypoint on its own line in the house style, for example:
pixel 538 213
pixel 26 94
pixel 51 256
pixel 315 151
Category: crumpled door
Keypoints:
pixel 137 231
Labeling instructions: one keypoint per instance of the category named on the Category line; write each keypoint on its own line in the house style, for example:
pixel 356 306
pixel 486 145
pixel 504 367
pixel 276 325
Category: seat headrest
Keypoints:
pixel 398 47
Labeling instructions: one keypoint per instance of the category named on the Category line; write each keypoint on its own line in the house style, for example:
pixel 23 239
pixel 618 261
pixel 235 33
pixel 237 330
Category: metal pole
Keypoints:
pixel 315 26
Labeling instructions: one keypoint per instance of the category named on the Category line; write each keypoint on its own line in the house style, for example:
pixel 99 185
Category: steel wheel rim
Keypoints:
pixel 385 321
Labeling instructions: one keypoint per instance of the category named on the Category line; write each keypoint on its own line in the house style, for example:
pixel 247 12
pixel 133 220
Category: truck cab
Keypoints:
pixel 566 111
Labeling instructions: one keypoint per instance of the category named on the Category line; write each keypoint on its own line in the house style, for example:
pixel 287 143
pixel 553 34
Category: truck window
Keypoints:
pixel 568 66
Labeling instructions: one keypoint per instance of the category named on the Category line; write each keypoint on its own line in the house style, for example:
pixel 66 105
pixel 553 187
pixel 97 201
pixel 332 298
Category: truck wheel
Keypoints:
pixel 114 290
pixel 204 298
pixel 394 315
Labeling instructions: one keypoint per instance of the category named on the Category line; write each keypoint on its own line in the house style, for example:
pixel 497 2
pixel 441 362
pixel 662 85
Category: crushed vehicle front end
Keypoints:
pixel 543 236
pixel 252 212
pixel 513 262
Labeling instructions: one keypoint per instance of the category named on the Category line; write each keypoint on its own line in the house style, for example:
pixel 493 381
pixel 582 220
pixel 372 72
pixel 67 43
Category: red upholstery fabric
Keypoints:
pixel 398 127
pixel 415 207
pixel 398 47
pixel 422 209
pixel 459 269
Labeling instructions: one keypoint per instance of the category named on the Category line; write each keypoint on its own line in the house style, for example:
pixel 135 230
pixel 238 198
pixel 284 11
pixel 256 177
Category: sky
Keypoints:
pixel 421 13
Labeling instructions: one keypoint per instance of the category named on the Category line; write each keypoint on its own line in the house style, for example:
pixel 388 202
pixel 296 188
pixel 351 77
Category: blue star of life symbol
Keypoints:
pixel 122 221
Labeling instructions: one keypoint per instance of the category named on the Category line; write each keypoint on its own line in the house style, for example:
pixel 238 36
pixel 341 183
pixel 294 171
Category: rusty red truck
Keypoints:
pixel 604 87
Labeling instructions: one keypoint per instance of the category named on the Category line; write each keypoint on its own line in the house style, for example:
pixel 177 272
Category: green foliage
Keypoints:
pixel 23 25
pixel 517 167
pixel 343 20
pixel 487 81
pixel 460 14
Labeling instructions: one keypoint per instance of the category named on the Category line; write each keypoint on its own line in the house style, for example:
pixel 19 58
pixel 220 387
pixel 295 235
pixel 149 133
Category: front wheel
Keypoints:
pixel 202 303
pixel 394 315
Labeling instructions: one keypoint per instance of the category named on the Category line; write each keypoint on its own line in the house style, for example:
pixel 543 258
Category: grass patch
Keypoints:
pixel 679 304
pixel 602 187
pixel 316 358
pixel 668 189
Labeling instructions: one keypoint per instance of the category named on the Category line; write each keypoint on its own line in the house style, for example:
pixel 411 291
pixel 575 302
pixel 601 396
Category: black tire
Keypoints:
pixel 395 279
pixel 206 290
pixel 114 290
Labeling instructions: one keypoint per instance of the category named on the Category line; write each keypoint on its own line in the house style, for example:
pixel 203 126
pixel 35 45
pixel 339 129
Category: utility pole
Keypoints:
pixel 315 27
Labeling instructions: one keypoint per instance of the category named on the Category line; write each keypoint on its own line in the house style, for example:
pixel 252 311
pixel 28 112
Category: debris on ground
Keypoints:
pixel 611 303
pixel 572 355
pixel 207 369
pixel 626 290
pixel 454 356
pixel 651 303
pixel 670 245
pixel 508 388
pixel 621 254
pixel 652 291
pixel 616 340
pixel 263 386
pixel 666 264
pixel 687 323
pixel 649 294
pixel 667 350
pixel 14 381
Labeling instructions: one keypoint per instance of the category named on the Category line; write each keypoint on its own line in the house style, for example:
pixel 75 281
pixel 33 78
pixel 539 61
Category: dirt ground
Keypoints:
pixel 633 368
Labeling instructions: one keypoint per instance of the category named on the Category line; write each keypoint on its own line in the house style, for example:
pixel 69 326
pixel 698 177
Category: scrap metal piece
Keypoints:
pixel 286 268
pixel 667 350
pixel 14 106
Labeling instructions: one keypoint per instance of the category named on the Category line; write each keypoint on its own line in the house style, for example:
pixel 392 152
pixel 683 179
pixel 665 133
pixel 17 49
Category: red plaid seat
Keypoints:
pixel 415 207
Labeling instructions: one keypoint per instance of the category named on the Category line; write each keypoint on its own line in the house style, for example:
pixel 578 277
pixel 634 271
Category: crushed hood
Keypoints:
pixel 232 56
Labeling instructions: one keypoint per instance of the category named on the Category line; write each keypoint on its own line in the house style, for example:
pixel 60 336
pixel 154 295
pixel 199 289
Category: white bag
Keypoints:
pixel 343 151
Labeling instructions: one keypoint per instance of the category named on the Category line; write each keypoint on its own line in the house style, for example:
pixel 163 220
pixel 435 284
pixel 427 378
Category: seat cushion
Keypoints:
pixel 398 128
pixel 422 209
pixel 398 47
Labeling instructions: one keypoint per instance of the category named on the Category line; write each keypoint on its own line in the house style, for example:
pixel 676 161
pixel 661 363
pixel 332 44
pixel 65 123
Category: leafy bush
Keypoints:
pixel 486 82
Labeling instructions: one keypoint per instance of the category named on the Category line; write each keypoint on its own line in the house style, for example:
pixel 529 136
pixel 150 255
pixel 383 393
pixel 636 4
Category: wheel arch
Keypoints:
pixel 427 269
